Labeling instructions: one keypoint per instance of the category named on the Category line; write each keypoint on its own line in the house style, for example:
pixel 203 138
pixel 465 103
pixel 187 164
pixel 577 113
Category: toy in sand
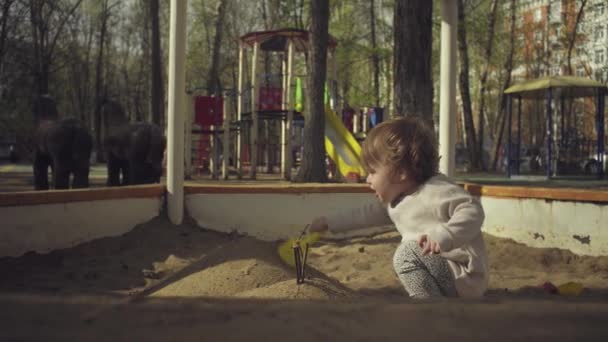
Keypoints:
pixel 294 252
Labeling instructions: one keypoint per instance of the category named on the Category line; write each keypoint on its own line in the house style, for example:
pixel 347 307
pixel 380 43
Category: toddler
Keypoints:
pixel 442 251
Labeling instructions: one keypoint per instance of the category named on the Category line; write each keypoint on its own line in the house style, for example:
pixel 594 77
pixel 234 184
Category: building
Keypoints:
pixel 545 36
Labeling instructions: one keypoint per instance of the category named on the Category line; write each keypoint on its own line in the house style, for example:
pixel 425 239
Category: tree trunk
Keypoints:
pixel 572 39
pixel 85 100
pixel 470 140
pixel 500 114
pixel 4 19
pixel 44 42
pixel 375 58
pixel 268 23
pixel 99 97
pixel 38 40
pixel 145 70
pixel 412 57
pixel 313 159
pixel 299 22
pixel 215 84
pixel 265 20
pixel 483 82
pixel 79 74
pixel 157 91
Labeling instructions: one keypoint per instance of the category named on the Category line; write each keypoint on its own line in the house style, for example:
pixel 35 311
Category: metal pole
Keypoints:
pixel 239 117
pixel 563 132
pixel 447 105
pixel 284 108
pixel 226 137
pixel 518 152
pixel 176 94
pixel 509 115
pixel 600 132
pixel 188 135
pixel 290 109
pixel 255 87
pixel 549 132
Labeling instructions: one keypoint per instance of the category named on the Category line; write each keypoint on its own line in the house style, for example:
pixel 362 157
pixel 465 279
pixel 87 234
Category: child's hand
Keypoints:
pixel 427 245
pixel 318 225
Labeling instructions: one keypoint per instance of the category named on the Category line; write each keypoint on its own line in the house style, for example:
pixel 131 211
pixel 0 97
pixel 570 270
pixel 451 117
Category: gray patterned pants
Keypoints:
pixel 423 276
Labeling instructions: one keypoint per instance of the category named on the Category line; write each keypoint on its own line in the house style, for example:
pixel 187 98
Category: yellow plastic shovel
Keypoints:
pixel 286 249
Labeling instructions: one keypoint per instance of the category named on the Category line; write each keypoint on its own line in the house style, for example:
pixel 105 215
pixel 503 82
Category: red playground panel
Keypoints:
pixel 270 98
pixel 208 111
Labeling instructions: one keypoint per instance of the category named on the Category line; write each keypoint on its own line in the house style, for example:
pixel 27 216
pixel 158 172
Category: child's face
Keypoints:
pixel 389 184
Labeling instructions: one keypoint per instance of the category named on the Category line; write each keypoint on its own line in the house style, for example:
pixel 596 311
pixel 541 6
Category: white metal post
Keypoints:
pixel 175 122
pixel 286 170
pixel 239 116
pixel 226 137
pixel 284 107
pixel 254 111
pixel 447 93
pixel 213 151
pixel 188 135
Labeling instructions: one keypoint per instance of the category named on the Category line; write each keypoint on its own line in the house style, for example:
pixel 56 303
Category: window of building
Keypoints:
pixel 599 10
pixel 538 15
pixel 556 10
pixel 580 71
pixel 599 76
pixel 599 56
pixel 538 36
pixel 599 33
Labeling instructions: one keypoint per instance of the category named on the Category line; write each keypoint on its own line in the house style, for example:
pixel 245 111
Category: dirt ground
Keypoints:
pixel 160 282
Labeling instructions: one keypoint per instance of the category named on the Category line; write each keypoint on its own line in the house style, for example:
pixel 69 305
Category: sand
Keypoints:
pixel 364 265
pixel 188 281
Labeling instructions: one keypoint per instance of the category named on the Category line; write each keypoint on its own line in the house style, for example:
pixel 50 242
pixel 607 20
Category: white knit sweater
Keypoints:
pixel 444 211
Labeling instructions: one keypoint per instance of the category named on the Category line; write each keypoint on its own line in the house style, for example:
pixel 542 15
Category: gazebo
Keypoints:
pixel 550 88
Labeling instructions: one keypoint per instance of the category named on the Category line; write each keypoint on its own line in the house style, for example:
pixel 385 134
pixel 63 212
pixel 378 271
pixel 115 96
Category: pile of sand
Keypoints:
pixel 158 260
pixel 248 268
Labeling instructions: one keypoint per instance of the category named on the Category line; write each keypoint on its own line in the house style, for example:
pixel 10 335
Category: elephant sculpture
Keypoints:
pixel 65 145
pixel 135 152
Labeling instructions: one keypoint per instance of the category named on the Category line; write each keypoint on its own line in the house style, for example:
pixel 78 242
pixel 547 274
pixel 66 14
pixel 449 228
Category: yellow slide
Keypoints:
pixel 342 147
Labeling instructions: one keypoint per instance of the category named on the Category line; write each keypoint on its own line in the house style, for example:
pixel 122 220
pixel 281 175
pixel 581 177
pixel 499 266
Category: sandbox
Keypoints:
pixel 200 276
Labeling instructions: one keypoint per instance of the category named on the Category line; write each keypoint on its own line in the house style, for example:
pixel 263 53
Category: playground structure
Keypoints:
pixel 276 104
pixel 564 147
pixel 271 104
pixel 216 133
pixel 208 138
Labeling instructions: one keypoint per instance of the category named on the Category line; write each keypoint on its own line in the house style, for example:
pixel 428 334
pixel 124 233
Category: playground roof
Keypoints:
pixel 567 86
pixel 276 40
